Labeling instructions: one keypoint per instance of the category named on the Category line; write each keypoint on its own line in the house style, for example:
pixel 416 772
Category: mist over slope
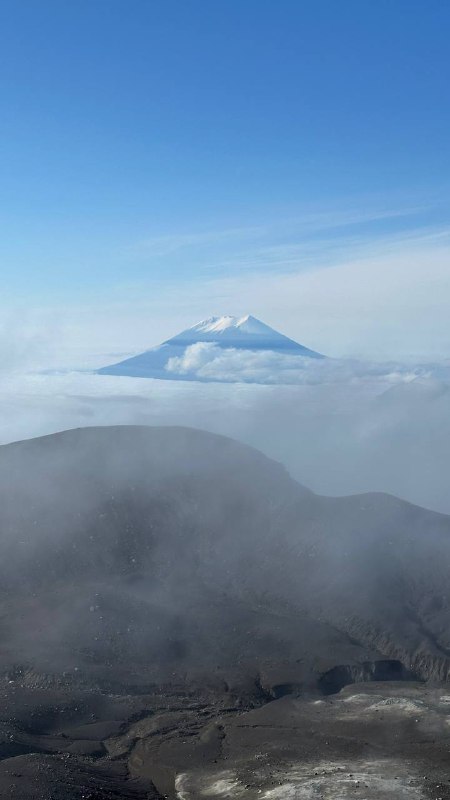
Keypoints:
pixel 165 546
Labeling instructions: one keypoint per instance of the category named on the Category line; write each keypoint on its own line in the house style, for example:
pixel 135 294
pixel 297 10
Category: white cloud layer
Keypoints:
pixel 208 361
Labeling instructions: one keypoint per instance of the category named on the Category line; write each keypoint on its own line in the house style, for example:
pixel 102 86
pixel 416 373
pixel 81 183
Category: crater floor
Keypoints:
pixel 370 741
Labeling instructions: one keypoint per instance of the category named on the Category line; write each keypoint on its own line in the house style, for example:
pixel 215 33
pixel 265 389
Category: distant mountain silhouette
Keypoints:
pixel 235 333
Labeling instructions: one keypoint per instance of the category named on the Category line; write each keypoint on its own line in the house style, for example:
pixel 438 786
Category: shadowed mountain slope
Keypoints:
pixel 187 553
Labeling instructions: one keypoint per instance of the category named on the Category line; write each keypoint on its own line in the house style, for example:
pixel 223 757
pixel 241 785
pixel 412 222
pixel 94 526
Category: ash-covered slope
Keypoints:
pixel 171 551
pixel 224 333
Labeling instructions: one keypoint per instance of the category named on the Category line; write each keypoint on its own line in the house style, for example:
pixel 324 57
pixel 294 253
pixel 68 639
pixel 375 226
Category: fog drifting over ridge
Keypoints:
pixel 351 430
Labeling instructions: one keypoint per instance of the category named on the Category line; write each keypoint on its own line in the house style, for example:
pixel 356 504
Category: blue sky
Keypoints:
pixel 161 146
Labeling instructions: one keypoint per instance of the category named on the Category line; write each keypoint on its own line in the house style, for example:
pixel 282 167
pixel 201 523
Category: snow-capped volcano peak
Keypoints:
pixel 247 324
pixel 239 332
pixel 211 336
pixel 219 324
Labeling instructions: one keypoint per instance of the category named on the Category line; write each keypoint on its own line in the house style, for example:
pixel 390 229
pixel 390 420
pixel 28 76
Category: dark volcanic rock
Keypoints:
pixel 157 583
pixel 47 777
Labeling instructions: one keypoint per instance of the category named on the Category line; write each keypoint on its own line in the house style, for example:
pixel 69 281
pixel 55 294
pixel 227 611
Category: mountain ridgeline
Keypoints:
pixel 165 552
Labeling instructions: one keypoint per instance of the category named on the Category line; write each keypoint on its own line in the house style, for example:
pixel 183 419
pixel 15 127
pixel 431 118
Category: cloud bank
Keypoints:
pixel 364 433
pixel 208 361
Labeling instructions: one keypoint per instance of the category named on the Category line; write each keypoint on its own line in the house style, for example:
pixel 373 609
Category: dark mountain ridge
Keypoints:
pixel 175 546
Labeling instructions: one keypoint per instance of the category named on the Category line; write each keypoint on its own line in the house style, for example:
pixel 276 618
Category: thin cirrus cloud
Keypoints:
pixel 271 233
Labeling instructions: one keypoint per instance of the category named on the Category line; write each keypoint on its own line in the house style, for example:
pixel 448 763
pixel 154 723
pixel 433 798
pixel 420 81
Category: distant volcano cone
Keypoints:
pixel 227 333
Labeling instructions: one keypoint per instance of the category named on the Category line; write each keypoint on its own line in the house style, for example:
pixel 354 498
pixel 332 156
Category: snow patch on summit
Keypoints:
pixel 219 324
pixel 246 333
pixel 247 324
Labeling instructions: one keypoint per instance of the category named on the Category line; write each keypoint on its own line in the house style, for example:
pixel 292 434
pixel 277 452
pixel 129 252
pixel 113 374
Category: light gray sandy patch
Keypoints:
pixel 327 780
pixel 360 698
pixel 222 784
pixel 399 704
pixel 365 780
